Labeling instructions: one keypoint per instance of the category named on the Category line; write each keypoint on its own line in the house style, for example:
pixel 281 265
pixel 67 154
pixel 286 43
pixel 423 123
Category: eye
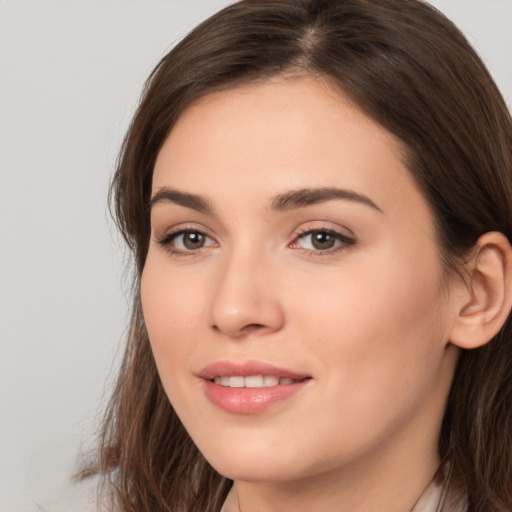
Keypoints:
pixel 322 240
pixel 185 241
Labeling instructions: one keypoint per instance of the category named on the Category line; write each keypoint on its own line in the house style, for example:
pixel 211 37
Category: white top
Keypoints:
pixel 439 496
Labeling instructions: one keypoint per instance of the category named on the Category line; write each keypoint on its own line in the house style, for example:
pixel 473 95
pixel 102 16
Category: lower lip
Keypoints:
pixel 250 400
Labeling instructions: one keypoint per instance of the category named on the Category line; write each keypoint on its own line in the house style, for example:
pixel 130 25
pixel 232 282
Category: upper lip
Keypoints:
pixel 245 369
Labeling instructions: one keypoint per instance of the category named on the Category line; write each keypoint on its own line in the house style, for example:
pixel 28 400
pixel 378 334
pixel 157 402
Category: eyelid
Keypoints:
pixel 165 240
pixel 343 241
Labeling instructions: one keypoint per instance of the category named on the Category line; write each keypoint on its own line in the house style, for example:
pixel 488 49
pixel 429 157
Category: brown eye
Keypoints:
pixel 193 240
pixel 322 240
pixel 185 242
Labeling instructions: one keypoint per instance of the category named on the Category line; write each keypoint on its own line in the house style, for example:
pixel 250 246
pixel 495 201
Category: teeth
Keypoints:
pixel 252 381
pixel 223 381
pixel 270 380
pixel 236 382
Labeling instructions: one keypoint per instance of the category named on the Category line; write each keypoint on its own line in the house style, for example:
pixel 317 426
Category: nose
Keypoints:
pixel 246 300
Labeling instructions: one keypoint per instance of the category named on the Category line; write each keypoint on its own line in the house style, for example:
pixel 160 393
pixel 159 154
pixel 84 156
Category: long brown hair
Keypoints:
pixel 411 70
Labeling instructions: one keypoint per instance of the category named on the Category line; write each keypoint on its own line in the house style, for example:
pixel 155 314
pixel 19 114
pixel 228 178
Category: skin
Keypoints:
pixel 369 321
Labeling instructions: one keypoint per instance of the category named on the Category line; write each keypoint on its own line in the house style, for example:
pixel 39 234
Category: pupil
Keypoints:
pixel 322 240
pixel 193 240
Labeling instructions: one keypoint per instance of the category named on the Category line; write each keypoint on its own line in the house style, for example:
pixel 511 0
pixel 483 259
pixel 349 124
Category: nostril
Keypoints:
pixel 252 327
pixel 244 330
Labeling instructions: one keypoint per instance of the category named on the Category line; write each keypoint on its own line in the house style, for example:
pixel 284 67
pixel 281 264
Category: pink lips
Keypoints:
pixel 249 400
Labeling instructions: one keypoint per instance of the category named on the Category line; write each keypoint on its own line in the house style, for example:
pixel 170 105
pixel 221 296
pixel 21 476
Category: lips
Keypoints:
pixel 250 387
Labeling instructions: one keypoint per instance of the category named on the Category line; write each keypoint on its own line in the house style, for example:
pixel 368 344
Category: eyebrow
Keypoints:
pixel 310 196
pixel 185 199
pixel 283 202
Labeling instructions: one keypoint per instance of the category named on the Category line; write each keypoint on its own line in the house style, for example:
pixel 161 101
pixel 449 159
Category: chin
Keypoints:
pixel 257 463
pixel 256 471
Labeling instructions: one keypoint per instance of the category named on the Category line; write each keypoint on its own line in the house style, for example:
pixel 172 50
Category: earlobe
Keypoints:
pixel 488 299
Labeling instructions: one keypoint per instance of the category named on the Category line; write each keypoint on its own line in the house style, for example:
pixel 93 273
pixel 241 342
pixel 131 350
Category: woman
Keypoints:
pixel 317 197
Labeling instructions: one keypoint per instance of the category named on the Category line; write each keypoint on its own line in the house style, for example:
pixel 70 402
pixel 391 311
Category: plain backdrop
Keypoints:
pixel 70 76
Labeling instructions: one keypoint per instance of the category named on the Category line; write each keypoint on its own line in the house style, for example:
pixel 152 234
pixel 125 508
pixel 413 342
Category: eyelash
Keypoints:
pixel 167 240
pixel 342 242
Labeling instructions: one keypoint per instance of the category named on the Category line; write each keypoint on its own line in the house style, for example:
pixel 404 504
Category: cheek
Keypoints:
pixel 378 340
pixel 381 325
pixel 172 307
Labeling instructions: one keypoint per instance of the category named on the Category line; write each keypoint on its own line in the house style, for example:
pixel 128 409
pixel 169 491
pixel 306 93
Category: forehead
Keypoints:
pixel 257 140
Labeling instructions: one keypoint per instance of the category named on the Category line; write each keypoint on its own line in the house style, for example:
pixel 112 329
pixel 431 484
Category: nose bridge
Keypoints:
pixel 246 299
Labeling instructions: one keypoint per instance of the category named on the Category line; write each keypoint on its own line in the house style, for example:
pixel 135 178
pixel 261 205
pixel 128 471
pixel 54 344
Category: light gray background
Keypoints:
pixel 70 76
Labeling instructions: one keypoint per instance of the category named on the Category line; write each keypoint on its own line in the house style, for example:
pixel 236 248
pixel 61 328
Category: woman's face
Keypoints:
pixel 292 254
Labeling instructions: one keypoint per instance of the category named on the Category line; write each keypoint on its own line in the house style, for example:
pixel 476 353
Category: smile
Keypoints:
pixel 250 387
pixel 253 381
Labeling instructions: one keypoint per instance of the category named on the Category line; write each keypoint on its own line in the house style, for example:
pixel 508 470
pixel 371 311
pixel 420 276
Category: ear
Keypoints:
pixel 487 300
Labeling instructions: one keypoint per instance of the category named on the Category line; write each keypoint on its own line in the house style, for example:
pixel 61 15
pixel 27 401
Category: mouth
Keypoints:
pixel 254 381
pixel 250 387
